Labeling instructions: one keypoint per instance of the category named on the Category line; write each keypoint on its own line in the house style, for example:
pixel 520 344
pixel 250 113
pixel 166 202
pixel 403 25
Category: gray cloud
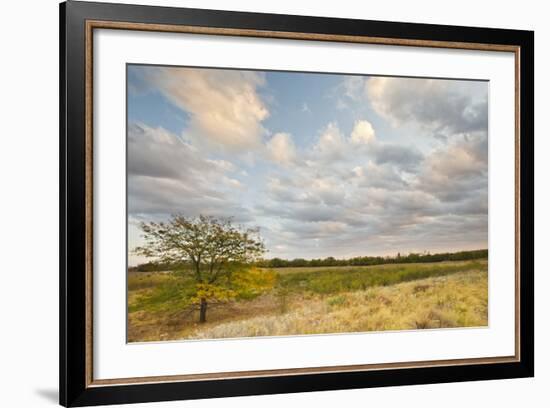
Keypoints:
pixel 343 194
pixel 445 106
pixel 158 153
pixel 168 176
pixel 456 171
pixel 299 211
pixel 382 176
pixel 401 199
pixel 406 158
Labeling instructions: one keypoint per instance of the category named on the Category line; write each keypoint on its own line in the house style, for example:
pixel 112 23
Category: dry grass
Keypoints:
pixel 458 300
pixel 146 325
pixel 317 300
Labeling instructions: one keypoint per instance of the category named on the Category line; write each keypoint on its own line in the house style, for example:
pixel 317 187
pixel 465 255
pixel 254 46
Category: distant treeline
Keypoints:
pixel 375 260
pixel 157 266
pixel 331 261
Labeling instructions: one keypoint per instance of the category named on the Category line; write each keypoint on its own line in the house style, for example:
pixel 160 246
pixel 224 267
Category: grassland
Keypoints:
pixel 317 300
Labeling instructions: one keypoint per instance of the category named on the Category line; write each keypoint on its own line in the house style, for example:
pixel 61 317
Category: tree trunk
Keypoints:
pixel 202 316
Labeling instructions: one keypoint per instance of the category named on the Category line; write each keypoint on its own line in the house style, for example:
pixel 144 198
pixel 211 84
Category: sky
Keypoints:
pixel 324 164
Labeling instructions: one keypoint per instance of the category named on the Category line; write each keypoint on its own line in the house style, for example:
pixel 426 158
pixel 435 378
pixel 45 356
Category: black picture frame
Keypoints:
pixel 75 387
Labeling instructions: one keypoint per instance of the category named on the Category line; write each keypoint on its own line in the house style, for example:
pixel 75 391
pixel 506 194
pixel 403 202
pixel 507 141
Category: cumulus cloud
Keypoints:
pixel 354 87
pixel 300 212
pixel 363 132
pixel 331 143
pixel 224 106
pixel 381 176
pixel 281 148
pixel 407 158
pixel 336 149
pixel 457 171
pixel 379 189
pixel 283 191
pixel 156 152
pixel 343 187
pixel 442 105
pixel 167 175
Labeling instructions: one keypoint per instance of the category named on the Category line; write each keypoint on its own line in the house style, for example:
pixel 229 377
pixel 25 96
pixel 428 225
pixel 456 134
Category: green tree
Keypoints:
pixel 219 253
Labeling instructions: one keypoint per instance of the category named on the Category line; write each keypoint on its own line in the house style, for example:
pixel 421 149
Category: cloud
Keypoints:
pixel 354 87
pixel 156 152
pixel 283 190
pixel 363 132
pixel 366 198
pixel 334 148
pixel 233 183
pixel 224 106
pixel 317 229
pixel 406 158
pixel 447 106
pixel 330 191
pixel 381 176
pixel 300 212
pixel 167 176
pixel 344 188
pixel 307 188
pixel 386 196
pixel 458 160
pixel 281 148
pixel 457 171
pixel 331 143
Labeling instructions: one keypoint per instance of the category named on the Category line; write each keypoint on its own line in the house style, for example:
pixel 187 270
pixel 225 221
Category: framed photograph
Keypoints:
pixel 257 204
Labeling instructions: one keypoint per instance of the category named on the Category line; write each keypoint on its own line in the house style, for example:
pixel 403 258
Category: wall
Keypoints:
pixel 29 191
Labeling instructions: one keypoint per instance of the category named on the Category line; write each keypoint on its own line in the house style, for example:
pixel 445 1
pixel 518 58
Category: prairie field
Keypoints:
pixel 315 300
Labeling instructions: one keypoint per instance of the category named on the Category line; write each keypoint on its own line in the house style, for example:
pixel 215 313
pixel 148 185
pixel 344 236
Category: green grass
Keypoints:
pixel 158 292
pixel 158 301
pixel 344 279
